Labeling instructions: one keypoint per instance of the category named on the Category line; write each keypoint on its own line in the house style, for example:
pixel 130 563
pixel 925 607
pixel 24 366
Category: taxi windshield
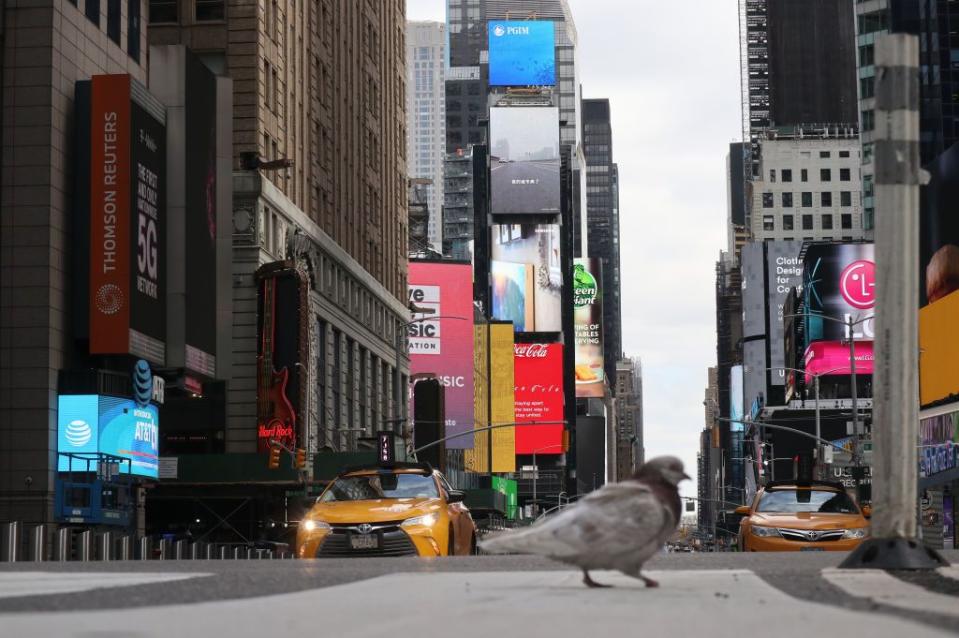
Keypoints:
pixel 816 501
pixel 379 486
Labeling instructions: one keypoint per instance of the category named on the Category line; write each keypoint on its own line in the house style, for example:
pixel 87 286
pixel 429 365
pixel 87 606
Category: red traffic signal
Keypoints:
pixel 274 457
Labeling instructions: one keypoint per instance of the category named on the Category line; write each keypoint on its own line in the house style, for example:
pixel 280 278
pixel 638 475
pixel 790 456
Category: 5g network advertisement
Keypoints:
pixel 91 423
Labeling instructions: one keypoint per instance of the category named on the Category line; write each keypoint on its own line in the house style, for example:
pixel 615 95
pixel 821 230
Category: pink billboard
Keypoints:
pixel 441 338
pixel 832 357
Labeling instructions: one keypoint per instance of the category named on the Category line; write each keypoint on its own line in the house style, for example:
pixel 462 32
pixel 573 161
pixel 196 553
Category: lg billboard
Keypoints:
pixel 524 160
pixel 527 276
pixel 441 338
pixel 522 53
pixel 538 373
pixel 839 284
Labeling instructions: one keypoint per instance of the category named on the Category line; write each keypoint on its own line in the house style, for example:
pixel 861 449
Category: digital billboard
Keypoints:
pixel 522 53
pixel 200 217
pixel 89 424
pixel 939 350
pixel 839 282
pixel 538 373
pixel 524 160
pixel 832 357
pixel 754 290
pixel 493 398
pixel 127 223
pixel 527 276
pixel 441 338
pixel 588 327
pixel 736 413
pixel 783 273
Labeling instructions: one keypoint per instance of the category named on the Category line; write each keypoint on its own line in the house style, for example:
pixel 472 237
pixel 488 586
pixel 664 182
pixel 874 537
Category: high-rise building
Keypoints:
pixel 46 50
pixel 602 212
pixel 629 417
pixel 322 84
pixel 426 116
pixel 806 189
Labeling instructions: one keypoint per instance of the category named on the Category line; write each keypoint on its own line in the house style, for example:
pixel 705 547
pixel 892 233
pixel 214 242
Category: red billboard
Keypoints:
pixel 538 374
pixel 824 358
pixel 441 338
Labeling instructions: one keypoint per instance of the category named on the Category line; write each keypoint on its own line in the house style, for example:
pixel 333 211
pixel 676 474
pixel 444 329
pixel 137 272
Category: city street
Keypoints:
pixel 700 594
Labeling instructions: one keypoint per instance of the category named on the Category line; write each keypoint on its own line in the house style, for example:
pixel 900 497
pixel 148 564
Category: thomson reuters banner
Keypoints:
pixel 127 146
pixel 440 338
pixel 538 375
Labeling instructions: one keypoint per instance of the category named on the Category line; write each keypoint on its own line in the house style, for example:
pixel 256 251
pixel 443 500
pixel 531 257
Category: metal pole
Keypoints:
pixel 854 393
pixel 397 385
pixel 535 474
pixel 896 397
pixel 818 430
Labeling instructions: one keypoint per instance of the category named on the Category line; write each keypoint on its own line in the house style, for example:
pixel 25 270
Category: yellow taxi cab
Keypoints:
pixel 402 509
pixel 790 516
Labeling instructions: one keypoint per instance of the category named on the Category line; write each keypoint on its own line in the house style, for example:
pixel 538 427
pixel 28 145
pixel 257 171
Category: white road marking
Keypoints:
pixel 15 584
pixel 950 572
pixel 721 604
pixel 880 587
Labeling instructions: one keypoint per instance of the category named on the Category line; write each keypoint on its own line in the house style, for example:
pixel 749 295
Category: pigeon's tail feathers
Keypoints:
pixel 533 540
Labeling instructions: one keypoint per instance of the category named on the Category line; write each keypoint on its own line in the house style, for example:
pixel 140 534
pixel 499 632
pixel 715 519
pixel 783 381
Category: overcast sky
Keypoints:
pixel 671 73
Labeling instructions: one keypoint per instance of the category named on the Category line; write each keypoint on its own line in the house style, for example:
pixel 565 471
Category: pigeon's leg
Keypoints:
pixel 637 574
pixel 589 582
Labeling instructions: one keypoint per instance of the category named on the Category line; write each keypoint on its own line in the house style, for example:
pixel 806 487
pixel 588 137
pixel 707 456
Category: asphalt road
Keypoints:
pixel 541 196
pixel 101 599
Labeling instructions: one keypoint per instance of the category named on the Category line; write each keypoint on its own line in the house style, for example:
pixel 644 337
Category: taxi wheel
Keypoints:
pixel 473 549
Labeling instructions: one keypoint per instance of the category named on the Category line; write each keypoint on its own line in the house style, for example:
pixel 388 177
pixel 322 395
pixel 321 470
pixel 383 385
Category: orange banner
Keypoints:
pixel 110 231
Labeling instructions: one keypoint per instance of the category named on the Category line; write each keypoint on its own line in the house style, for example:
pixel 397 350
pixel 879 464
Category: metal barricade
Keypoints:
pixel 10 550
pixel 64 544
pixel 105 546
pixel 38 543
pixel 180 550
pixel 210 551
pixel 224 552
pixel 236 552
pixel 166 549
pixel 84 542
pixel 145 548
pixel 124 546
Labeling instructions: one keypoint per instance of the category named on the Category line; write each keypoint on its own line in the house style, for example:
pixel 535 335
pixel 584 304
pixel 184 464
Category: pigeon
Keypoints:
pixel 619 526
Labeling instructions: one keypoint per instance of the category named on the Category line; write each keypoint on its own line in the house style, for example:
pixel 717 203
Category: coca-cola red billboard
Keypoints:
pixel 538 374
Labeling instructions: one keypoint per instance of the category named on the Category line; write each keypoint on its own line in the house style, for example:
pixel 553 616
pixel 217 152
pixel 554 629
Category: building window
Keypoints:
pixel 787 175
pixel 843 153
pixel 769 223
pixel 845 198
pixel 804 174
pixel 826 199
pixel 133 29
pixel 827 222
pixel 807 222
pixel 787 222
pixel 207 10
pixel 768 201
pixel 93 11
pixel 321 373
pixel 844 175
pixel 868 119
pixel 337 380
pixel 787 200
pixel 162 10
pixel 846 221
pixel 825 175
pixel 113 20
pixel 806 200
pixel 772 175
pixel 824 154
pixel 350 384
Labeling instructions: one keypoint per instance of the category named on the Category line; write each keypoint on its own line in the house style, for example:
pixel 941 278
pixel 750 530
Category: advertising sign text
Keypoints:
pixel 539 397
pixel 588 327
pixel 524 160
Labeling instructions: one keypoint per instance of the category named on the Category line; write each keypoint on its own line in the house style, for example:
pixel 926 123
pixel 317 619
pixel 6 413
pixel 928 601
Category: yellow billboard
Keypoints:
pixel 497 340
pixel 939 350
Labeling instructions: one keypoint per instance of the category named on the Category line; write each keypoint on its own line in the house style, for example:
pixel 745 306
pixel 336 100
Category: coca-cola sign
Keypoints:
pixel 539 398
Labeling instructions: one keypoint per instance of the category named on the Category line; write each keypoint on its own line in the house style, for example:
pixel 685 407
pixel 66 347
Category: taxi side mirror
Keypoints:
pixel 456 496
pixel 866 511
pixel 743 510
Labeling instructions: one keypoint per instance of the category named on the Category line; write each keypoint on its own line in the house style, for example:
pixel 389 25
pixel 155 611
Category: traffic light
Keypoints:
pixel 274 457
pixel 300 461
pixel 565 440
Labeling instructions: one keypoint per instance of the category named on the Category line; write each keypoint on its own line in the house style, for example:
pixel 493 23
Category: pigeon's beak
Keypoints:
pixel 687 477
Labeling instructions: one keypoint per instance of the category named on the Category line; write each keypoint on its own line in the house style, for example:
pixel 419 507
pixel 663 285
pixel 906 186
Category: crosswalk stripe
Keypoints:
pixel 721 604
pixel 882 588
pixel 15 584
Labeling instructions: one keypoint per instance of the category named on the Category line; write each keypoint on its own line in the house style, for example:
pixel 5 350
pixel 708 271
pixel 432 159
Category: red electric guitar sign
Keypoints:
pixel 276 418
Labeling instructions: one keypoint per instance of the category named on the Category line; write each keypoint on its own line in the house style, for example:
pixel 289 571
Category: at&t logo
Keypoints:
pixel 78 433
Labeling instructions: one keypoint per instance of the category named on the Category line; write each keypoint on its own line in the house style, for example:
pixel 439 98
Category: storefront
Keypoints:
pixel 939 474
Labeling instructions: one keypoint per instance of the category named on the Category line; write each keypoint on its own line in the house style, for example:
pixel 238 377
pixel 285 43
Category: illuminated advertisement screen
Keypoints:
pixel 522 53
pixel 538 373
pixel 839 282
pixel 524 160
pixel 736 413
pixel 588 327
pixel 90 424
pixel 824 358
pixel 527 276
pixel 441 338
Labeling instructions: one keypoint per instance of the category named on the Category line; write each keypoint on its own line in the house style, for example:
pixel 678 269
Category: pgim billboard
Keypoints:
pixel 524 160
pixel 441 338
pixel 522 53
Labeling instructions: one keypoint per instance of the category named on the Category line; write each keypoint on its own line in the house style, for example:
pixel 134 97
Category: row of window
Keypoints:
pixel 825 174
pixel 165 11
pixel 806 199
pixel 826 221
pixel 92 10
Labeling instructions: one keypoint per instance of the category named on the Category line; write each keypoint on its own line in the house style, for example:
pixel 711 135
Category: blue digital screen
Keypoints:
pixel 522 53
pixel 90 423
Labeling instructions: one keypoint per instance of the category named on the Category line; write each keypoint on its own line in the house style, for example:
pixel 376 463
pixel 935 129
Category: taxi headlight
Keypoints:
pixel 763 532
pixel 312 526
pixel 856 532
pixel 427 520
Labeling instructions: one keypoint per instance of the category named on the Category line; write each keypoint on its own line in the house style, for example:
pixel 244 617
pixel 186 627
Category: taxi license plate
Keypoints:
pixel 811 549
pixel 364 541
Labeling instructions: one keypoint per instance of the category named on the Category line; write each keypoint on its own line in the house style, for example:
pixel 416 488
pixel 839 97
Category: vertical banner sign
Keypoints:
pixel 440 342
pixel 502 388
pixel 588 327
pixel 476 458
pixel 110 214
pixel 538 374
